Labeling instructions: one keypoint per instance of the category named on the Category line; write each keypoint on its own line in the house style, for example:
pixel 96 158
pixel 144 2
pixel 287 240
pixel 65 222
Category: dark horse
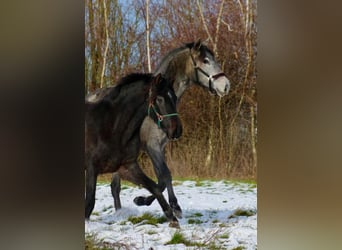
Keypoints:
pixel 112 126
pixel 193 63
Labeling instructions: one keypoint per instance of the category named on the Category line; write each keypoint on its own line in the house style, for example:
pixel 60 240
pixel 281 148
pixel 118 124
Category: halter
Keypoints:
pixel 211 78
pixel 159 116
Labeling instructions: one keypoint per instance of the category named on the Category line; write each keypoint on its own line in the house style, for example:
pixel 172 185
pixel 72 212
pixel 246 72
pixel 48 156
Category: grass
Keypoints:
pixel 224 236
pixel 202 183
pixel 238 248
pixel 199 182
pixel 197 214
pixel 179 238
pixel 194 221
pixel 92 243
pixel 147 218
pixel 107 208
pixel 241 212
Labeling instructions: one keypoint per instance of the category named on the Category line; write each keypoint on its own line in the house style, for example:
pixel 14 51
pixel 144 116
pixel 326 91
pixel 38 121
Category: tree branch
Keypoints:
pixel 204 24
pixel 107 43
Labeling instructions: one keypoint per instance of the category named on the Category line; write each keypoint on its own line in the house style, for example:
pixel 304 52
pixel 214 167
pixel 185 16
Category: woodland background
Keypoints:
pixel 219 134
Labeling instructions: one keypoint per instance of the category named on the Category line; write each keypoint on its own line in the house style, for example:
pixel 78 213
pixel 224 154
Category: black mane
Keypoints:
pixel 132 78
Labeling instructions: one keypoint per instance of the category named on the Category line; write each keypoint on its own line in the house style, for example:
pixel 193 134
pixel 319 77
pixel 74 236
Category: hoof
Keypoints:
pixel 139 201
pixel 174 224
pixel 143 201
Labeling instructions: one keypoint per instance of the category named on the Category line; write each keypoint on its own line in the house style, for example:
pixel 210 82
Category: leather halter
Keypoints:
pixel 151 105
pixel 211 78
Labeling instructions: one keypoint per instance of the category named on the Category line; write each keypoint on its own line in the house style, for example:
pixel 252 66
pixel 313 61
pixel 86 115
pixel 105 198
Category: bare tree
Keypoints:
pixel 148 37
pixel 121 38
pixel 107 42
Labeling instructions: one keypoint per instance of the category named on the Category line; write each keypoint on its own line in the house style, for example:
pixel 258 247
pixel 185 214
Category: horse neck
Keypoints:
pixel 174 68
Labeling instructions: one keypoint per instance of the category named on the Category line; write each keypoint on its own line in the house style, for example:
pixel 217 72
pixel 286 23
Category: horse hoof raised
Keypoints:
pixel 143 201
pixel 139 201
pixel 174 224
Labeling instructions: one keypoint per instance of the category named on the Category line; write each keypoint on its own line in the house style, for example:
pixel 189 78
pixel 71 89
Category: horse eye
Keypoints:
pixel 206 60
pixel 159 100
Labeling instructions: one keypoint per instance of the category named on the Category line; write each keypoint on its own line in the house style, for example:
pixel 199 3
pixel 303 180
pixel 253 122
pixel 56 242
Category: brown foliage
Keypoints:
pixel 228 123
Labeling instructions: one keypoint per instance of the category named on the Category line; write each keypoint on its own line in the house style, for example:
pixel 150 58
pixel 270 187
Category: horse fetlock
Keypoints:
pixel 169 215
pixel 176 210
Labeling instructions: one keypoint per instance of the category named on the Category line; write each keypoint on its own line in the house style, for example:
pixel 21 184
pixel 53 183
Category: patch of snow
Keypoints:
pixel 212 205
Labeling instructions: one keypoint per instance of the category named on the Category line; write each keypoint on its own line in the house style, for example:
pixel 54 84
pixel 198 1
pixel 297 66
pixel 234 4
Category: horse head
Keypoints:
pixel 207 72
pixel 162 107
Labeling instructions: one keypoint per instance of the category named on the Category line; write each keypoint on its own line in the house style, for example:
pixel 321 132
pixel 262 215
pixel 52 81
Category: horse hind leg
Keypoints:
pixel 91 178
pixel 116 189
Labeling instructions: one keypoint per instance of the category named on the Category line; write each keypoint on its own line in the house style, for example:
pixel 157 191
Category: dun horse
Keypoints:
pixel 193 63
pixel 112 126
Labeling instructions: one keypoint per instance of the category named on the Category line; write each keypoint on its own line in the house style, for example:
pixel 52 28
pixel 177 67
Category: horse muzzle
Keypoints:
pixel 175 130
pixel 220 85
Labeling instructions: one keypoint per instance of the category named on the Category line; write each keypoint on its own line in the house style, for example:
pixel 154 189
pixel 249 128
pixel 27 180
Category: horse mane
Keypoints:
pixel 203 48
pixel 132 78
pixel 169 56
pixel 186 46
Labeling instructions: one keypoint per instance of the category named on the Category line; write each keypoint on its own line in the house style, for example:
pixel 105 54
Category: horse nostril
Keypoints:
pixel 226 88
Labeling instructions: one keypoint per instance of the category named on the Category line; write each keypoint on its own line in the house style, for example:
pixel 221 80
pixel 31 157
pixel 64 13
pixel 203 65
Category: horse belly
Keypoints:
pixel 105 159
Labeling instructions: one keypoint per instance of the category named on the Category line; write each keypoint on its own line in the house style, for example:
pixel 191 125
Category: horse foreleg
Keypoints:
pixel 135 175
pixel 116 188
pixel 164 181
pixel 91 178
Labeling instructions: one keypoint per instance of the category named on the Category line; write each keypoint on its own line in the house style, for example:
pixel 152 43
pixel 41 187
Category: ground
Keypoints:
pixel 216 215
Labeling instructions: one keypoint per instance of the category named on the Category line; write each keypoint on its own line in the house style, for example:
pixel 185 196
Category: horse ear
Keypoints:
pixel 198 44
pixel 155 82
pixel 157 79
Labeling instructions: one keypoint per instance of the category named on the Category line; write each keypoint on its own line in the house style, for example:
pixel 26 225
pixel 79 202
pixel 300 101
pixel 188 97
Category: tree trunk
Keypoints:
pixel 92 85
pixel 148 37
pixel 107 43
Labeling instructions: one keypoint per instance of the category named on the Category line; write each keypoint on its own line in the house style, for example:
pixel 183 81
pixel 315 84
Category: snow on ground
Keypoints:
pixel 210 217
